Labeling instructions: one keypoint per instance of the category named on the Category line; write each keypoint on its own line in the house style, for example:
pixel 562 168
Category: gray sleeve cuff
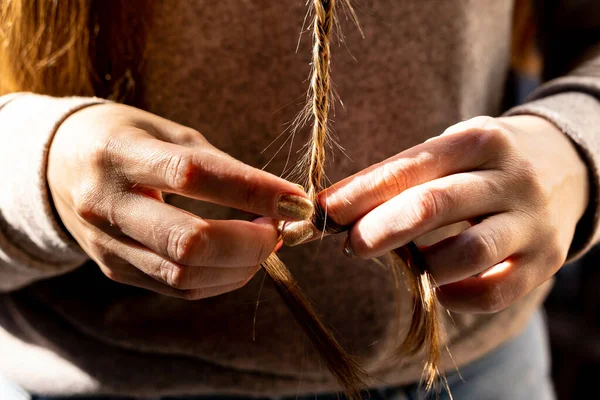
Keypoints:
pixel 33 245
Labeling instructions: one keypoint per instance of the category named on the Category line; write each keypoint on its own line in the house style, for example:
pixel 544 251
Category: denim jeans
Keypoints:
pixel 518 370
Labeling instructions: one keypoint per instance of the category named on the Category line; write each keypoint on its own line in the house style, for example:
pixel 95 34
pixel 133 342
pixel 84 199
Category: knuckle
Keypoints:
pixel 489 136
pixel 189 134
pixel 493 139
pixel 86 203
pixel 175 276
pixel 183 242
pixel 430 202
pixel 97 209
pixel 394 179
pixel 181 173
pixel 440 200
pixel 104 151
pixel 480 250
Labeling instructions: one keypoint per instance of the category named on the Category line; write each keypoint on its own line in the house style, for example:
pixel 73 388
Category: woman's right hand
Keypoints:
pixel 109 166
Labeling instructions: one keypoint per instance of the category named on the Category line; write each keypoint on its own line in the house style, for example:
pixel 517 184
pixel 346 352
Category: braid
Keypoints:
pixel 344 368
pixel 424 332
pixel 320 92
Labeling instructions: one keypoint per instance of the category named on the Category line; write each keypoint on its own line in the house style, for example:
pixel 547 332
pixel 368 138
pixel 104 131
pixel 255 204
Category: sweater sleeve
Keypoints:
pixel 570 97
pixel 33 244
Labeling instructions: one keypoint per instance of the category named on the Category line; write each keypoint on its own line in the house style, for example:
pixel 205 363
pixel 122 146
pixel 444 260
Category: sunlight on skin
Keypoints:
pixel 496 269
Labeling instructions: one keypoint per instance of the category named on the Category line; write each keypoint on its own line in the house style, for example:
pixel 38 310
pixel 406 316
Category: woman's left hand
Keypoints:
pixel 518 180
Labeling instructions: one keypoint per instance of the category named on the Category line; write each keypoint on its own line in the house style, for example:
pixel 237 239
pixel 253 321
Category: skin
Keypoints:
pixel 519 182
pixel 109 166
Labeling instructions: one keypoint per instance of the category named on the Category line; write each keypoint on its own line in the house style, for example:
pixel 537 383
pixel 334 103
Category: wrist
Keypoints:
pixel 55 167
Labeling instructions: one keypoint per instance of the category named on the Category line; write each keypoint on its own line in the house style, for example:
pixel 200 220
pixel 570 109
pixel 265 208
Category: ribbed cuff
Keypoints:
pixel 31 237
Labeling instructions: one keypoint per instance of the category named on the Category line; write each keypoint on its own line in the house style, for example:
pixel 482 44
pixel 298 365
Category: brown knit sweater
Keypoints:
pixel 229 69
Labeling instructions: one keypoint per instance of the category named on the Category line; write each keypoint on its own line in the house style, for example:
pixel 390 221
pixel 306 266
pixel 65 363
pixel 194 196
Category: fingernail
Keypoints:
pixel 294 207
pixel 347 249
pixel 296 233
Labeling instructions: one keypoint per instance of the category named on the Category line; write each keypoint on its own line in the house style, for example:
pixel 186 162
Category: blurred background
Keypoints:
pixel 572 310
pixel 573 307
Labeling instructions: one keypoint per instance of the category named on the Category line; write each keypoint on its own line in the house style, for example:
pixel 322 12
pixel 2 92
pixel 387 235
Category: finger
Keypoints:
pixel 479 144
pixel 426 207
pixel 189 240
pixel 476 249
pixel 495 289
pixel 130 275
pixel 172 132
pixel 207 174
pixel 176 275
pixel 300 232
pixel 161 128
pixel 118 270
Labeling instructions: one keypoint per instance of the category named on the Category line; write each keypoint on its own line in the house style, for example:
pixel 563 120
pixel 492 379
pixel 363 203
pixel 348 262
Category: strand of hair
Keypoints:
pixel 345 369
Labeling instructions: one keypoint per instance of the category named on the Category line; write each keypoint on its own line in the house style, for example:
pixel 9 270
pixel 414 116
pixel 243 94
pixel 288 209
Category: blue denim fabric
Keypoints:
pixel 518 370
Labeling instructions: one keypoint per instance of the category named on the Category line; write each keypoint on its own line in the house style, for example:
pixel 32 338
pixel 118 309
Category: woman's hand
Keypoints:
pixel 518 180
pixel 109 166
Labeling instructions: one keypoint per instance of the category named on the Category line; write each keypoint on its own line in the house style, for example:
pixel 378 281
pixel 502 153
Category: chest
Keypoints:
pixel 237 71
